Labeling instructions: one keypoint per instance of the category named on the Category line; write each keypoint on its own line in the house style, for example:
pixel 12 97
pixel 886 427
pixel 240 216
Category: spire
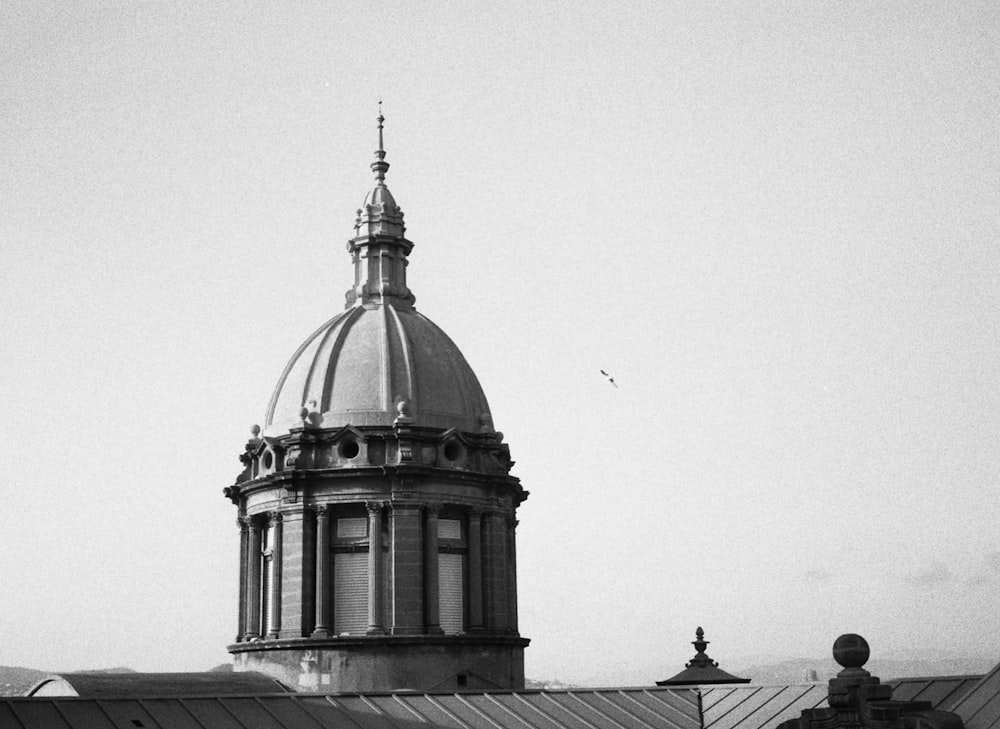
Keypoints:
pixel 380 166
pixel 379 248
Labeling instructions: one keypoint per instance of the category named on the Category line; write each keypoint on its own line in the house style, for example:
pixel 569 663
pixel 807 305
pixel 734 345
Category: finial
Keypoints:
pixel 699 642
pixel 851 651
pixel 380 166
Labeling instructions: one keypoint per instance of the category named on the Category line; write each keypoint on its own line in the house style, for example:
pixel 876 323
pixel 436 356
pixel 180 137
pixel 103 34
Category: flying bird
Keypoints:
pixel 610 378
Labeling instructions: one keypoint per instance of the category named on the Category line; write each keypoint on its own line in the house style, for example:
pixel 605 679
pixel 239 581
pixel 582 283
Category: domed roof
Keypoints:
pixel 380 361
pixel 359 366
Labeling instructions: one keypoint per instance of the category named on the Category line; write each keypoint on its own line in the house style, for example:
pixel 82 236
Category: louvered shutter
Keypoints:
pixel 350 593
pixel 452 607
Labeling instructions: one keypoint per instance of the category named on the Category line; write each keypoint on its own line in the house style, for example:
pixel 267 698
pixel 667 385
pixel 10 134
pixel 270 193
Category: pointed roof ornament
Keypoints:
pixel 701 669
pixel 380 166
pixel 379 247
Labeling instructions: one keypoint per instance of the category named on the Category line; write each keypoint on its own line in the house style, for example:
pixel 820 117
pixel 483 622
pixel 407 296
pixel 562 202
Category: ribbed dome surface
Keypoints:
pixel 361 363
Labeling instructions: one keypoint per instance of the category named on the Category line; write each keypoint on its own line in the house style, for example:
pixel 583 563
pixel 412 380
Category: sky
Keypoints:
pixel 776 224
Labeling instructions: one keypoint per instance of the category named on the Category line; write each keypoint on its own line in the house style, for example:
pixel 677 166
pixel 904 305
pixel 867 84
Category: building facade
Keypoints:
pixel 376 506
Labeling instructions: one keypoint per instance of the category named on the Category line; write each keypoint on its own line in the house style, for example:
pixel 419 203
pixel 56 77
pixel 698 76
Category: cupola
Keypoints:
pixel 376 506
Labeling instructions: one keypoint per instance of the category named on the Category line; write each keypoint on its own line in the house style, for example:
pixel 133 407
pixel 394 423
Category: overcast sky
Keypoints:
pixel 775 223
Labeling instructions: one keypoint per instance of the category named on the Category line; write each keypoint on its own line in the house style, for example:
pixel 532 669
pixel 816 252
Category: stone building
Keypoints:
pixel 376 507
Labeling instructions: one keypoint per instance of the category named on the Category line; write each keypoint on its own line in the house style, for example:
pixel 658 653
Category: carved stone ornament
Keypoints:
pixel 859 700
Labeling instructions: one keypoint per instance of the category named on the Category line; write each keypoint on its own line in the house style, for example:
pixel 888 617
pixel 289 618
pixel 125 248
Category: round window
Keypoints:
pixel 349 449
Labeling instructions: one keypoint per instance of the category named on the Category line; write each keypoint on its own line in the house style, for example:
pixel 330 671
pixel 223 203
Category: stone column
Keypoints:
pixel 475 570
pixel 322 571
pixel 375 611
pixel 432 588
pixel 275 627
pixel 241 624
pixel 512 572
pixel 253 579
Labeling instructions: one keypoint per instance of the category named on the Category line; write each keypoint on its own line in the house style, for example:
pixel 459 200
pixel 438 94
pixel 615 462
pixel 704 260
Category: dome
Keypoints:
pixel 359 366
pixel 380 361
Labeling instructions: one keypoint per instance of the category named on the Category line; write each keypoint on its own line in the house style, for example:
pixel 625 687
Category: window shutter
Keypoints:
pixel 350 593
pixel 452 607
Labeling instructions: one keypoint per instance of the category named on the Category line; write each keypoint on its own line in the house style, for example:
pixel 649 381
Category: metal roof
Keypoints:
pixel 764 707
pixel 123 685
pixel 980 707
pixel 584 709
pixel 942 691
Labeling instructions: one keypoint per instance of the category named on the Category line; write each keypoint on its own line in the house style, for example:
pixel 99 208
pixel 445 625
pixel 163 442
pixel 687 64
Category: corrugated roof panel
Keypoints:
pixel 461 709
pixel 362 711
pixel 616 708
pixel 576 703
pixel 398 712
pixel 667 712
pixel 125 712
pixel 84 713
pixel 941 692
pixel 38 714
pixel 738 708
pixel 711 695
pixel 526 706
pixel 327 713
pixel 980 708
pixel 677 707
pixel 292 713
pixel 7 718
pixel 728 699
pixel 784 704
pixel 250 713
pixel 502 713
pixel 171 713
pixel 759 707
pixel 211 713
pixel 988 717
pixel 428 711
pixel 555 711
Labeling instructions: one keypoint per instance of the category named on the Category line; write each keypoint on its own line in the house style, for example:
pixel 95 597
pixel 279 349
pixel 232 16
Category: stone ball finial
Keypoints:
pixel 403 411
pixel 255 430
pixel 851 650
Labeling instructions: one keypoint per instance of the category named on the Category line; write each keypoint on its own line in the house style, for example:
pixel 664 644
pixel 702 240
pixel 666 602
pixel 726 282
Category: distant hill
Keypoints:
pixel 799 670
pixel 547 684
pixel 15 680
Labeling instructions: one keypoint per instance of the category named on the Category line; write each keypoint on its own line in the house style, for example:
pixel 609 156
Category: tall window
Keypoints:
pixel 350 576
pixel 451 575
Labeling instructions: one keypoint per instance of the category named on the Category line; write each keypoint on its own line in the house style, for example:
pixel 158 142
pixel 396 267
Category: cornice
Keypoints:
pixel 355 641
